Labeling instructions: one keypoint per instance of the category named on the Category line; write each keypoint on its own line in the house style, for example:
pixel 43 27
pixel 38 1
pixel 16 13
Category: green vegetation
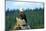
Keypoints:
pixel 35 18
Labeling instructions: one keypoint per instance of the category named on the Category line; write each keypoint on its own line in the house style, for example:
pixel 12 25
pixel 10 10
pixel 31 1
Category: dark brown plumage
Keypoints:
pixel 23 16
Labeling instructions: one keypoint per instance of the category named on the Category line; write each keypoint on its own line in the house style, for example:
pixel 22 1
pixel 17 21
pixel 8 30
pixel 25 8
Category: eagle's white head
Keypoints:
pixel 21 9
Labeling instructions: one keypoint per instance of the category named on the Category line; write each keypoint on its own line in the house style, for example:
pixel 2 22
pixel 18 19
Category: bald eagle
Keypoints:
pixel 21 21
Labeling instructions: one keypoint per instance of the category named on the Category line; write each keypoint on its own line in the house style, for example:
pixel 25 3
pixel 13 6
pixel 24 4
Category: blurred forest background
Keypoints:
pixel 35 18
